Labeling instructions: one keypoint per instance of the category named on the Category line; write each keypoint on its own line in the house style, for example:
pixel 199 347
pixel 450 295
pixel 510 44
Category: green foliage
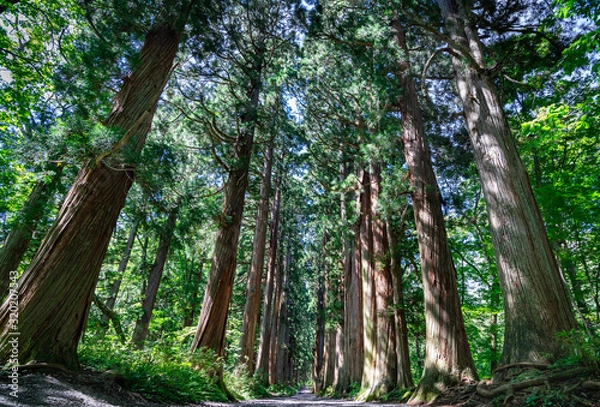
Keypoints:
pixel 161 374
pixel 579 349
pixel 541 397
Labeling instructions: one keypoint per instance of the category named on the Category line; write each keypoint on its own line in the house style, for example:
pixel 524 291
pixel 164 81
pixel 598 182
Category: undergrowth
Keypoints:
pixel 162 374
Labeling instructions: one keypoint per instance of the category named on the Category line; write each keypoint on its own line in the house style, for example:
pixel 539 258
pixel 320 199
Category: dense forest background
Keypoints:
pixel 253 159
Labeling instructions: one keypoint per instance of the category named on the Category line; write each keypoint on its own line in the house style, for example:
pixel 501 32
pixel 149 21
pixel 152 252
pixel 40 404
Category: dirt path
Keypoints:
pixel 304 398
pixel 94 390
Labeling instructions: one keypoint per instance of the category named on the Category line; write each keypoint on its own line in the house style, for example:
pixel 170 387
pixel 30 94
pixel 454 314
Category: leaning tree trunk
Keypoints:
pixel 140 331
pixel 17 241
pixel 265 333
pixel 215 306
pixel 253 293
pixel 56 291
pixel 447 354
pixel 536 304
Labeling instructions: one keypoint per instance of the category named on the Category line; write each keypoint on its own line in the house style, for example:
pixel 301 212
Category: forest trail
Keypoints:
pixel 303 398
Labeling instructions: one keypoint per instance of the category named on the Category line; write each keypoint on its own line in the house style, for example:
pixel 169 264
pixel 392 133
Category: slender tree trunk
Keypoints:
pixel 140 331
pixel 320 337
pixel 265 334
pixel 19 237
pixel 116 285
pixel 404 374
pixel 276 322
pixel 448 358
pixel 196 279
pixel 253 294
pixel 536 303
pixel 56 290
pixel 215 306
pixel 282 318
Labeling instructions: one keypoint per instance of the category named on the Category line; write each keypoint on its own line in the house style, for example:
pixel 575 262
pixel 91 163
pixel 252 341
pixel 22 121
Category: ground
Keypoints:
pixel 93 389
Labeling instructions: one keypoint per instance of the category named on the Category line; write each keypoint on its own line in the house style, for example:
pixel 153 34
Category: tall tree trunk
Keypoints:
pixel 447 354
pixel 404 378
pixel 368 286
pixel 265 333
pixel 276 321
pixel 55 292
pixel 346 337
pixel 253 294
pixel 140 331
pixel 353 306
pixel 19 237
pixel 282 318
pixel 384 374
pixel 215 306
pixel 116 285
pixel 536 303
pixel 320 337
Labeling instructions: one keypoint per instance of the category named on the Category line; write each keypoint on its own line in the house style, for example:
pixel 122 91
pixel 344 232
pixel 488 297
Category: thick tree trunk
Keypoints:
pixel 384 374
pixel 56 290
pixel 116 285
pixel 536 303
pixel 404 378
pixel 253 293
pixel 265 333
pixel 215 306
pixel 353 306
pixel 448 358
pixel 140 331
pixel 368 284
pixel 19 237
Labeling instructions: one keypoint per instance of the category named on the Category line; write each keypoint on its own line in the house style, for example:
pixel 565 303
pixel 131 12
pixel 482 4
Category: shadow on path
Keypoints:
pixel 303 398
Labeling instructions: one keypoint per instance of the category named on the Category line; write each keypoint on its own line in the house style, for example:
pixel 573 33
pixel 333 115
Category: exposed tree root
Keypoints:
pixel 529 365
pixel 514 387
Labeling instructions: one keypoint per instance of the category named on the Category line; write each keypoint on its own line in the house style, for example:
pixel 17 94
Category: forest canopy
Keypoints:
pixel 369 196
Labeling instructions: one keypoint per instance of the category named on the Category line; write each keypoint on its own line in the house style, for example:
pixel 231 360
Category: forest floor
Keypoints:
pixel 93 389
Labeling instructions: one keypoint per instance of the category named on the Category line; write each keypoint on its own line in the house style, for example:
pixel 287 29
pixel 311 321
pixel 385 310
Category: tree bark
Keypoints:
pixel 404 378
pixel 353 306
pixel 116 285
pixel 448 358
pixel 215 306
pixel 276 323
pixel 265 334
pixel 253 293
pixel 19 237
pixel 536 303
pixel 56 290
pixel 383 374
pixel 140 331
pixel 320 337
pixel 368 286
